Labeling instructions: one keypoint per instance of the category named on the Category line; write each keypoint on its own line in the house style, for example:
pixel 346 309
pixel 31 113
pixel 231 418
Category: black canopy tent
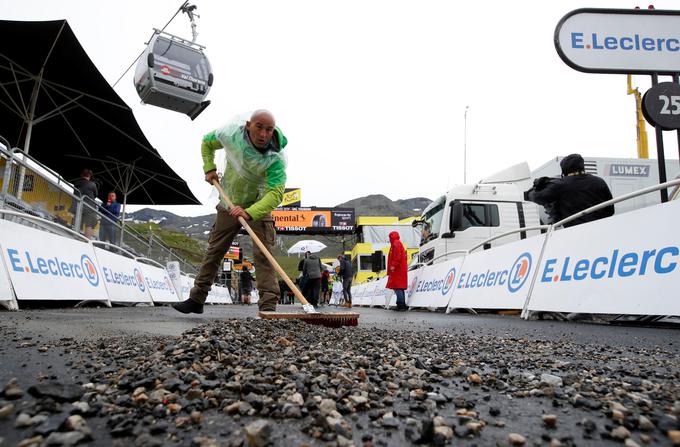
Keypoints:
pixel 57 107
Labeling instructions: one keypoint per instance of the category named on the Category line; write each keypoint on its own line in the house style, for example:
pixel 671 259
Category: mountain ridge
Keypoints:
pixel 199 226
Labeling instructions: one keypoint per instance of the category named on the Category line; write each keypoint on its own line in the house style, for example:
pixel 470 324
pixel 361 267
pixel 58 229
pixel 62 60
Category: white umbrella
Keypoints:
pixel 306 246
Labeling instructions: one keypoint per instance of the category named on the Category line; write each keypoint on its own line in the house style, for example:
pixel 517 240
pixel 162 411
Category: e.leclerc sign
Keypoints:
pixel 627 41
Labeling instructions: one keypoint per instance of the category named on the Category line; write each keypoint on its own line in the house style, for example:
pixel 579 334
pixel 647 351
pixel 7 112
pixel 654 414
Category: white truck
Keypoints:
pixel 469 214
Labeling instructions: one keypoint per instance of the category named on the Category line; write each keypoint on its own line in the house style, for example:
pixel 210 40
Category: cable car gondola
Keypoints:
pixel 174 73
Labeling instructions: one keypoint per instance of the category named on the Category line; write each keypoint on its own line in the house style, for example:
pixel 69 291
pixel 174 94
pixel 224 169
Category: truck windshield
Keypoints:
pixel 432 219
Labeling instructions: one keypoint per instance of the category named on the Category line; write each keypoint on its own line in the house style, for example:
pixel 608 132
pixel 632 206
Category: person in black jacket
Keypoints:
pixel 246 285
pixel 346 273
pixel 85 187
pixel 574 192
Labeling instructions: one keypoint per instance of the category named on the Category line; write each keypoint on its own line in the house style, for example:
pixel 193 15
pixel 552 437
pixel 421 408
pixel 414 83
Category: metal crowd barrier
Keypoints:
pixel 28 186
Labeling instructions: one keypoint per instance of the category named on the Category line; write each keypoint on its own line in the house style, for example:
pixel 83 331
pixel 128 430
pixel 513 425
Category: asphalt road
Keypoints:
pixel 88 323
pixel 35 347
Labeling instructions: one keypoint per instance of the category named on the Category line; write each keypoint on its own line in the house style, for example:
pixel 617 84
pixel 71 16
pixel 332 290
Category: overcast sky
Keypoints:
pixel 372 94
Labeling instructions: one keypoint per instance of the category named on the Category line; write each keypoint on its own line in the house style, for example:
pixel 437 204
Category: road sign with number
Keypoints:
pixel 661 105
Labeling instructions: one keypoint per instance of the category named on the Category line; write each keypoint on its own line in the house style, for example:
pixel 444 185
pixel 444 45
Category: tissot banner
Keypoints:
pixel 122 277
pixel 625 264
pixel 313 220
pixel 499 278
pixel 44 266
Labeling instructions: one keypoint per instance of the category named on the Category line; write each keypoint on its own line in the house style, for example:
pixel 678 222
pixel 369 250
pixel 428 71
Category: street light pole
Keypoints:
pixel 465 148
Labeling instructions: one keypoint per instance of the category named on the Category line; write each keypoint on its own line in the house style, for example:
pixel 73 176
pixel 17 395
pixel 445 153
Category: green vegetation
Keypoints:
pixel 289 264
pixel 187 247
pixel 193 250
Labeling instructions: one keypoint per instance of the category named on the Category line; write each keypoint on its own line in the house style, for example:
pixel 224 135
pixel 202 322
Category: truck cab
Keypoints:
pixel 469 214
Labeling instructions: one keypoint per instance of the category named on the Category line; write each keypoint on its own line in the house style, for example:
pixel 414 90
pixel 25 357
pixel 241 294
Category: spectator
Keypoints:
pixel 336 296
pixel 397 270
pixel 346 274
pixel 111 211
pixel 246 285
pixel 86 188
pixel 286 293
pixel 311 269
pixel 325 293
pixel 574 192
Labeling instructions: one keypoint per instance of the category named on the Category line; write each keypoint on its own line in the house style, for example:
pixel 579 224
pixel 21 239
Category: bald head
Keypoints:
pixel 263 113
pixel 261 127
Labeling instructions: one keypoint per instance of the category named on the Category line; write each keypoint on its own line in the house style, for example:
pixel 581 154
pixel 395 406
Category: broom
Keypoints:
pixel 309 314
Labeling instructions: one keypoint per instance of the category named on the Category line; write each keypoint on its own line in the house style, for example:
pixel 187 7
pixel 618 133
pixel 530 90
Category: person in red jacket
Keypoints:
pixel 397 270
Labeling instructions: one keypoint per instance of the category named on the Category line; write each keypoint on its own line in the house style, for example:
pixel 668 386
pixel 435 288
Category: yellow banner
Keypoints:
pixel 291 197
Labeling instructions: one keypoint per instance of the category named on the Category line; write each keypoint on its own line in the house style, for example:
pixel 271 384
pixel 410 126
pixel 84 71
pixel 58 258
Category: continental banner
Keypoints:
pixel 295 220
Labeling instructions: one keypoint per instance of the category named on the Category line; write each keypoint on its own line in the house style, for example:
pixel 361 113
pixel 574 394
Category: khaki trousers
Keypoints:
pixel 222 234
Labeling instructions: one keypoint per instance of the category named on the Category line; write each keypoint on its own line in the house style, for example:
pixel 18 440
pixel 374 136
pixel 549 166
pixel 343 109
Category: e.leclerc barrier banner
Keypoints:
pixel 218 295
pixel 159 284
pixel 44 266
pixel 381 294
pixel 432 285
pixel 122 277
pixel 187 284
pixel 625 264
pixel 499 278
pixel 372 288
pixel 6 293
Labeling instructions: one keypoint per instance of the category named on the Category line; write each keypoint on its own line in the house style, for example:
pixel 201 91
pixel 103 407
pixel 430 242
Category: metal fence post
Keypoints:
pixel 77 219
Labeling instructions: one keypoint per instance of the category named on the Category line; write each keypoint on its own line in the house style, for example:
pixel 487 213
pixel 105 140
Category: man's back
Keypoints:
pixel 575 193
pixel 346 268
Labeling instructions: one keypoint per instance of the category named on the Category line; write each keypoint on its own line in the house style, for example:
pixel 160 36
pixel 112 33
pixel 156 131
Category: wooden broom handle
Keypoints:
pixel 263 248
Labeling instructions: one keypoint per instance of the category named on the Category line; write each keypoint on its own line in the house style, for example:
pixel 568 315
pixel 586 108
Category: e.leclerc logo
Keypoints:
pixel 513 278
pixel 412 287
pixel 632 42
pixel 55 266
pixel 112 276
pixel 442 285
pixel 519 272
pixel 614 265
pixel 140 280
pixel 449 281
pixel 89 270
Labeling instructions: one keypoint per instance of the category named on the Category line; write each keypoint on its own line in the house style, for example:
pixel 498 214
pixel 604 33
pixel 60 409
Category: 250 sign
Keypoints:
pixel 661 105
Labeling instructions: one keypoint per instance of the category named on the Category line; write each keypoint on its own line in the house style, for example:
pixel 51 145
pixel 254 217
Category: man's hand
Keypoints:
pixel 237 212
pixel 211 175
pixel 541 182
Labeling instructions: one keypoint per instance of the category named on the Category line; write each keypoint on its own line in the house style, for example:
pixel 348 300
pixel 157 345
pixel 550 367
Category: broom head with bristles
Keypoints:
pixel 337 319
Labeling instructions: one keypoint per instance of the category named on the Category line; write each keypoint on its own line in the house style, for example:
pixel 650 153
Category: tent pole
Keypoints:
pixel 29 131
pixel 125 193
pixel 126 186
pixel 122 222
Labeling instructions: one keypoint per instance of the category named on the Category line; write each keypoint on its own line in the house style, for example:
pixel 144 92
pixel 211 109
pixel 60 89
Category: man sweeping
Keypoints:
pixel 254 179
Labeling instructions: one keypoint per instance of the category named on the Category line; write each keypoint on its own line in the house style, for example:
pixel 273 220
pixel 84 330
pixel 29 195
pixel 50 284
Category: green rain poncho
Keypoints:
pixel 253 180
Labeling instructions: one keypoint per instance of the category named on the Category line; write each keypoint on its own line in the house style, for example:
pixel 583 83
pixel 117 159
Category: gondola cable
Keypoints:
pixel 181 9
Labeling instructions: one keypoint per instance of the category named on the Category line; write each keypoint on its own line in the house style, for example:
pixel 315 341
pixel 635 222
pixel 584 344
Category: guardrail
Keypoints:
pixel 47 195
pixel 557 225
